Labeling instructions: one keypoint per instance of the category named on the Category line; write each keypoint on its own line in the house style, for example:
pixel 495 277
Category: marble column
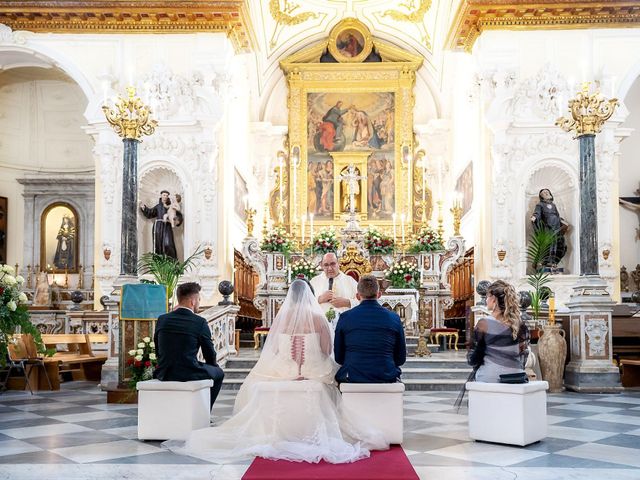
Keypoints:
pixel 588 207
pixel 129 233
pixel 590 306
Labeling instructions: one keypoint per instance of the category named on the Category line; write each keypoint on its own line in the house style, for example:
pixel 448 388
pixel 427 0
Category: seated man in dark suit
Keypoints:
pixel 369 342
pixel 178 337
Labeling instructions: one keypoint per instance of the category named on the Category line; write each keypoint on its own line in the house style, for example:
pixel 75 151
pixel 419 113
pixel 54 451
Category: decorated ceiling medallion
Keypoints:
pixel 350 41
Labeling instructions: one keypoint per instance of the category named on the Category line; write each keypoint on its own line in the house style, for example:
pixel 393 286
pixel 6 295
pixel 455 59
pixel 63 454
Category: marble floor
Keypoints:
pixel 75 434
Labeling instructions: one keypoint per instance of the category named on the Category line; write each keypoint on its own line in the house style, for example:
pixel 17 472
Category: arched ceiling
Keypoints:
pixel 41 120
pixel 283 27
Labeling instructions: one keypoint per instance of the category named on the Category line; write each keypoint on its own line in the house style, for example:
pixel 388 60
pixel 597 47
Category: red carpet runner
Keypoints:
pixel 390 464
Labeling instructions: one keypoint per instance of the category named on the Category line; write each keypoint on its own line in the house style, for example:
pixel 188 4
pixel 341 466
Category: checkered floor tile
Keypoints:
pixel 74 433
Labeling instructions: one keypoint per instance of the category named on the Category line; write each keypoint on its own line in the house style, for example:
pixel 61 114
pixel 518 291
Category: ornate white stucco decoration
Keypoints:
pixel 110 174
pixel 171 95
pixel 539 97
pixel 597 331
pixel 8 36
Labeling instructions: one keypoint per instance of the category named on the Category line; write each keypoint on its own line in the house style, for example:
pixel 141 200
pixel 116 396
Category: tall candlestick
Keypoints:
pixel 424 182
pixel 281 209
pixel 294 199
pixel 409 184
pixel 302 219
pixel 402 219
pixel 311 228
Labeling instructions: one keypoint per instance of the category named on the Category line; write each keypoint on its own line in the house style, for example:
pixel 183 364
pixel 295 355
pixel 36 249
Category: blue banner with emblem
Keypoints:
pixel 143 301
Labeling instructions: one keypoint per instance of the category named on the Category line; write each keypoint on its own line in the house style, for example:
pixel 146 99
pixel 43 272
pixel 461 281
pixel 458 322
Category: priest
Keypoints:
pixel 333 289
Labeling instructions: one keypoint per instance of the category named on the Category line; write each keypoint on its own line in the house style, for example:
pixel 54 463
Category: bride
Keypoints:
pixel 289 407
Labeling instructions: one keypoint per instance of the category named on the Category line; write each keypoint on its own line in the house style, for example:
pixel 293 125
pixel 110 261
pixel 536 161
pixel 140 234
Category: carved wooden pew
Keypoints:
pixel 74 354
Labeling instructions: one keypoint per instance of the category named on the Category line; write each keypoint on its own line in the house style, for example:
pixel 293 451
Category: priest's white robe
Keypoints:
pixel 343 286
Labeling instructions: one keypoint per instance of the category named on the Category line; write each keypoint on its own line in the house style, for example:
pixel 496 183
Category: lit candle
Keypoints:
pixel 402 219
pixel 409 183
pixel 265 188
pixel 394 216
pixel 302 219
pixel 311 227
pixel 104 92
pixel 552 309
pixel 281 212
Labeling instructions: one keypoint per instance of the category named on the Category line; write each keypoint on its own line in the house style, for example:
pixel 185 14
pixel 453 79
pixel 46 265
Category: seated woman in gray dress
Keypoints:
pixel 501 340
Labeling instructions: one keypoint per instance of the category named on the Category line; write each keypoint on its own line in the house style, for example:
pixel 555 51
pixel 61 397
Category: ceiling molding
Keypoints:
pixel 475 16
pixel 125 16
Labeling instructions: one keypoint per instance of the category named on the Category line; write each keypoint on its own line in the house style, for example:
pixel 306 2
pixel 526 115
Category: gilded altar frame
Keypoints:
pixel 394 72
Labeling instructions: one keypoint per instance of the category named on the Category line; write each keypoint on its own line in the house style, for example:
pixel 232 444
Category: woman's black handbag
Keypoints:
pixel 520 377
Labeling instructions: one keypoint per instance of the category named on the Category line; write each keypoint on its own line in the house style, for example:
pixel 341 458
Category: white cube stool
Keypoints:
pixel 515 414
pixel 171 410
pixel 379 403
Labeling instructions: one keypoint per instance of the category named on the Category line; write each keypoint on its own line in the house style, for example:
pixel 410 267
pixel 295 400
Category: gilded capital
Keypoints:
pixel 588 112
pixel 130 118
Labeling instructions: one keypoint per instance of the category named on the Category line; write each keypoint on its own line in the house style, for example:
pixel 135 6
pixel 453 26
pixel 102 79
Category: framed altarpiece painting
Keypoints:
pixel 350 103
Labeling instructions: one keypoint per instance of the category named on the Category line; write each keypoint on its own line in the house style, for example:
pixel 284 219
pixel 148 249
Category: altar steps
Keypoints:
pixel 445 371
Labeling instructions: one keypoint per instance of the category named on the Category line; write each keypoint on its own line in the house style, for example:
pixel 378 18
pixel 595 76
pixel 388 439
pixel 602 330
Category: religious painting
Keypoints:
pixel 241 195
pixel 352 112
pixel 339 122
pixel 3 230
pixel 380 183
pixel 59 238
pixel 350 42
pixel 320 186
pixel 464 185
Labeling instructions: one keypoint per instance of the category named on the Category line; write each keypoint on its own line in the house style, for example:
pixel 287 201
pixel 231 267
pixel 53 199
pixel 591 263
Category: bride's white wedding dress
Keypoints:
pixel 289 407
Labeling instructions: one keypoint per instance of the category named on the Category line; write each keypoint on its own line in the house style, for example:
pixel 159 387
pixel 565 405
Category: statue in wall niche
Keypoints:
pixel 65 250
pixel 546 215
pixel 167 216
pixel 42 295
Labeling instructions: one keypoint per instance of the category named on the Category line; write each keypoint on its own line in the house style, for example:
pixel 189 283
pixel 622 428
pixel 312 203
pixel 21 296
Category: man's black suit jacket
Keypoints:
pixel 178 337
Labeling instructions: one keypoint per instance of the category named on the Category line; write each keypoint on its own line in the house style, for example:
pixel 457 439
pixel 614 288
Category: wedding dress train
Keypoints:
pixel 289 407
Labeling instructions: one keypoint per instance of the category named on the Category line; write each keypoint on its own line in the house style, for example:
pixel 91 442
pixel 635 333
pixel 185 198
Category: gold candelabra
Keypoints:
pixel 424 312
pixel 250 212
pixel 456 211
pixel 440 219
pixel 131 118
pixel 265 228
pixel 589 111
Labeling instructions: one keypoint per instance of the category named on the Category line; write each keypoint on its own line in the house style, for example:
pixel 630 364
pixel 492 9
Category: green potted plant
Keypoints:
pixel 166 270
pixel 540 242
pixel 14 315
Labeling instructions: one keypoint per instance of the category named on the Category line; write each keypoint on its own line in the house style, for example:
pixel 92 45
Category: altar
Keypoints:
pixel 351 158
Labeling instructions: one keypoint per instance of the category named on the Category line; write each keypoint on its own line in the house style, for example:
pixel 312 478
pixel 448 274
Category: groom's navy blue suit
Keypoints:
pixel 369 344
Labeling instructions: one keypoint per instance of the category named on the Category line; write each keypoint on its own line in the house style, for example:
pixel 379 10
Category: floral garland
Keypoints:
pixel 403 274
pixel 426 240
pixel 142 361
pixel 377 243
pixel 326 241
pixel 14 316
pixel 305 268
pixel 277 241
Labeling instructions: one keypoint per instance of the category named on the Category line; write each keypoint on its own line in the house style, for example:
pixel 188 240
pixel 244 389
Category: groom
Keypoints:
pixel 369 342
pixel 178 337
